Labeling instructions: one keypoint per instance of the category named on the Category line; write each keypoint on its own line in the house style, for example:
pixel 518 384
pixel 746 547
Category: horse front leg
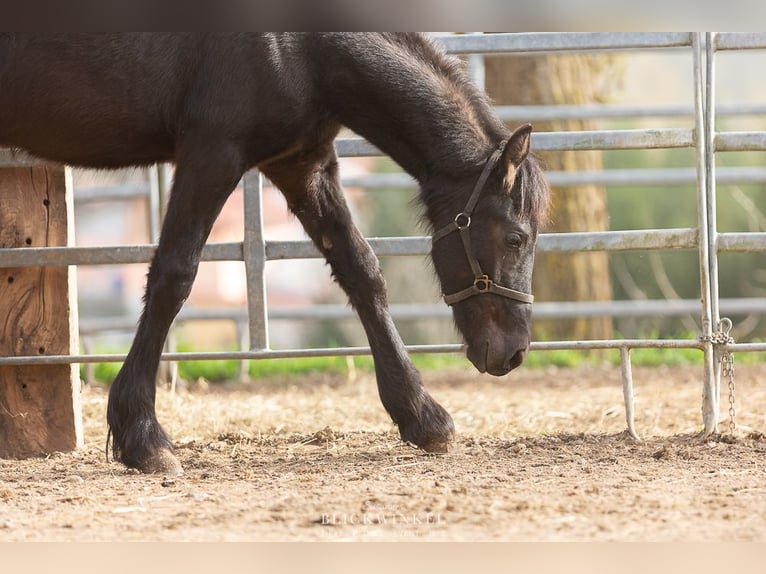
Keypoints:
pixel 205 176
pixel 313 193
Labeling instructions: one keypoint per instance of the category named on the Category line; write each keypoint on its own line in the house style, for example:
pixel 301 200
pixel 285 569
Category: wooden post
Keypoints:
pixel 39 404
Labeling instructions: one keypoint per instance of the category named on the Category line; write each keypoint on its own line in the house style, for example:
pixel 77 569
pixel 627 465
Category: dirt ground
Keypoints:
pixel 540 455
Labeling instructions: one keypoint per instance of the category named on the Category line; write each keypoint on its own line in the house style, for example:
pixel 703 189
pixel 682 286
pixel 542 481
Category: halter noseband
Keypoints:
pixel 462 222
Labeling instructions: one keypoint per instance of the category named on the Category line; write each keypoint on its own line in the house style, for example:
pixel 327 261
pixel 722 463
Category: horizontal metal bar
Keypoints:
pixel 112 255
pixel 291 249
pixel 747 347
pixel 619 240
pixel 355 147
pixel 611 177
pixel 589 112
pixel 740 141
pixel 739 41
pixel 653 177
pixel 52 256
pixel 560 42
pixel 123 323
pixel 382 246
pixel 558 141
pixel 547 141
pixel 619 111
pixel 727 175
pixel 613 139
pixel 439 311
pixel 541 310
pixel 220 355
pixel 576 241
pixel 332 312
pixel 347 351
pixel 618 344
pixel 121 192
pixel 126 254
pixel 751 242
pixel 643 308
pixel 397 180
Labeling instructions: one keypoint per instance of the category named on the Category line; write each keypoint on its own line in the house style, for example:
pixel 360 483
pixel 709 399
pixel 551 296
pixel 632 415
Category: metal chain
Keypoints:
pixel 722 337
pixel 727 370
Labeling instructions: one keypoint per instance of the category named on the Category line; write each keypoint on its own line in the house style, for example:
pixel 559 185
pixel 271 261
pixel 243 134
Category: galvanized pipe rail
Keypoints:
pixel 534 42
pixel 383 246
pixel 255 251
pixel 352 351
pixel 612 177
pixel 418 312
pixel 521 113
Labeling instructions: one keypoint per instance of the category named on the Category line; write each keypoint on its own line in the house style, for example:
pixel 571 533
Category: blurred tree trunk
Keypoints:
pixel 564 79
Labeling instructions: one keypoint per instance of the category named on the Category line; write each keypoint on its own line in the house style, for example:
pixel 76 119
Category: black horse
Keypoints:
pixel 220 104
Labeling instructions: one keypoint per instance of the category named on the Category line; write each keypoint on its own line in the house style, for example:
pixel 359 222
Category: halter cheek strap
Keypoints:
pixel 482 283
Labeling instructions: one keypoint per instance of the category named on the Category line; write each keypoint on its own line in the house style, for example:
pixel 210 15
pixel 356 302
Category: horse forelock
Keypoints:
pixel 530 191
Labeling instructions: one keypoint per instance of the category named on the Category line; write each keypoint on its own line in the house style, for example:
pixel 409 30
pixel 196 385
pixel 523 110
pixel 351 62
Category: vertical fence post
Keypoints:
pixel 712 396
pixel 476 69
pixel 154 201
pixel 709 244
pixel 254 247
pixel 39 404
pixel 627 392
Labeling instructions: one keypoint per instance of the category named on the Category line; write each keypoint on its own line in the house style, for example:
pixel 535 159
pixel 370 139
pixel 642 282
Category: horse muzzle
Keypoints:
pixel 496 357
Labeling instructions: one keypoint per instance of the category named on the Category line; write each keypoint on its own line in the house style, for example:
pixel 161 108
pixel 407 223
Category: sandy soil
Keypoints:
pixel 540 455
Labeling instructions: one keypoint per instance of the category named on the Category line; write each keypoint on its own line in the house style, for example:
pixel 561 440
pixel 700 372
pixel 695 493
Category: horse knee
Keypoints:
pixel 363 279
pixel 170 283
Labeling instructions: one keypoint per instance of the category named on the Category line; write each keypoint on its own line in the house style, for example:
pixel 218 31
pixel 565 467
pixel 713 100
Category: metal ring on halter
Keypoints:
pixel 467 223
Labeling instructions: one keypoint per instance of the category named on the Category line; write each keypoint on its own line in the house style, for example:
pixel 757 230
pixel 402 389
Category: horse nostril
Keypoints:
pixel 515 360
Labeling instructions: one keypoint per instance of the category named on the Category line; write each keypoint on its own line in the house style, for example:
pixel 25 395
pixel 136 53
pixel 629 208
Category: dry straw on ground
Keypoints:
pixel 540 455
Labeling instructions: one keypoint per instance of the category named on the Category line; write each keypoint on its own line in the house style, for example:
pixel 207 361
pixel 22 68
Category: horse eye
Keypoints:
pixel 513 240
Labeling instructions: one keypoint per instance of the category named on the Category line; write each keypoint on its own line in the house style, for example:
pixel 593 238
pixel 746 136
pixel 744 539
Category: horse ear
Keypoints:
pixel 517 148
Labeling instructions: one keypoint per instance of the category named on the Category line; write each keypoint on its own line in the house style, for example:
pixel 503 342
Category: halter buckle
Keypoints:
pixel 482 283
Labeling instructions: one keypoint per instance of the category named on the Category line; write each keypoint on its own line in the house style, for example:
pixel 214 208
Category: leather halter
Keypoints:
pixel 482 283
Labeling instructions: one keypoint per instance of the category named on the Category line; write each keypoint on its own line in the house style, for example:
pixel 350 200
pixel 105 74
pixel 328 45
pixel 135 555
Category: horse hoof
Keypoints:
pixel 437 445
pixel 433 433
pixel 161 462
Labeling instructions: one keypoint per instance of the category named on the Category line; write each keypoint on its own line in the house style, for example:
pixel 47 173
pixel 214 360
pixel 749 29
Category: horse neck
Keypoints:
pixel 403 96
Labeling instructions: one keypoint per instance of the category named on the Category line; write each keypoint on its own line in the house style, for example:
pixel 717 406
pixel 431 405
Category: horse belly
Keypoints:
pixel 59 102
pixel 92 149
pixel 89 148
pixel 88 134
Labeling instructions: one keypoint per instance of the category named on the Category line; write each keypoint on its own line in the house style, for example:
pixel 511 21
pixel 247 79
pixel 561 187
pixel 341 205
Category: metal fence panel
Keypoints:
pixel 702 138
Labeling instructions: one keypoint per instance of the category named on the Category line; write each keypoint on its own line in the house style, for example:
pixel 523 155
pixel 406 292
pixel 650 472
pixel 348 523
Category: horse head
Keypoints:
pixel 483 251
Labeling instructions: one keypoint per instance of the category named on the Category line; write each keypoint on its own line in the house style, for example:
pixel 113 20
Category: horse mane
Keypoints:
pixel 460 96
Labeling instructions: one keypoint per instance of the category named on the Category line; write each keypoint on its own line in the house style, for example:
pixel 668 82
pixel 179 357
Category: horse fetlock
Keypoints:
pixel 143 445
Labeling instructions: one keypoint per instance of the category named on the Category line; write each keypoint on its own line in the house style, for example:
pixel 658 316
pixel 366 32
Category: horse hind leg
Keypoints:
pixel 315 196
pixel 205 176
